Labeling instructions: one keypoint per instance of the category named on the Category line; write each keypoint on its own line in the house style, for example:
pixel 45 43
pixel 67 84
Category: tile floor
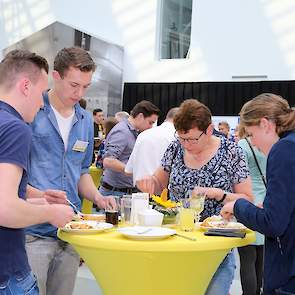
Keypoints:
pixel 86 284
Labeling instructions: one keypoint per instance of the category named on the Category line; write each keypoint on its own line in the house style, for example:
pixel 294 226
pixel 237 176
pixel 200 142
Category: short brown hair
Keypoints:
pixel 21 61
pixel 272 107
pixel 75 57
pixel 146 108
pixel 191 114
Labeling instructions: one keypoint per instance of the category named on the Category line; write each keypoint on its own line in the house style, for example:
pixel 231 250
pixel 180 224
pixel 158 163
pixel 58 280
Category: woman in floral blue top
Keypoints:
pixel 201 161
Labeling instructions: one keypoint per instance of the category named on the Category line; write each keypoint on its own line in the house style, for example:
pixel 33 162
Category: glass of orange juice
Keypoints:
pixel 186 216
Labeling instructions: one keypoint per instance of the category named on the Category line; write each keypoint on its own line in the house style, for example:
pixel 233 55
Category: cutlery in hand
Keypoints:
pixel 76 210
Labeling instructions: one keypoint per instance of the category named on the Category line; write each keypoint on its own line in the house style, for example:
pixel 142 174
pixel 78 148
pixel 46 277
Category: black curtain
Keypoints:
pixel 223 98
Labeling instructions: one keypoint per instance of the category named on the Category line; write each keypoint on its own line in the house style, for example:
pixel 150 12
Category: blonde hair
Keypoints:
pixel 272 107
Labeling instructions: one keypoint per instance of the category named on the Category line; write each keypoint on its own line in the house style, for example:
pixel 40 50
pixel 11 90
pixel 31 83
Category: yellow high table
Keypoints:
pixel 172 266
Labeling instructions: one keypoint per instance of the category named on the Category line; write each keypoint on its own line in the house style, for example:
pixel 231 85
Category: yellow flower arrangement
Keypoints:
pixel 166 204
pixel 167 207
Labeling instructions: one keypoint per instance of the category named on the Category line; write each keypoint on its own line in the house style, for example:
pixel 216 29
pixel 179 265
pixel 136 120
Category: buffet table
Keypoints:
pixel 170 266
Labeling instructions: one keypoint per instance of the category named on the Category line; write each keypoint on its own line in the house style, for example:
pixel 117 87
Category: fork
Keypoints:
pixel 76 210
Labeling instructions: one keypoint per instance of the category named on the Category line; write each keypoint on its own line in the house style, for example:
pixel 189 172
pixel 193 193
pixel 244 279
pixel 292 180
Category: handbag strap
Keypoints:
pixel 257 164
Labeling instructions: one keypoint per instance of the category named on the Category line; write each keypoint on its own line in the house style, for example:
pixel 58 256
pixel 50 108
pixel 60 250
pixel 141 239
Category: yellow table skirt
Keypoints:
pixel 173 266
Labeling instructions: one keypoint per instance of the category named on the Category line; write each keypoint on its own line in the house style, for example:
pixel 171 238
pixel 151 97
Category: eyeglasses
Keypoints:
pixel 188 140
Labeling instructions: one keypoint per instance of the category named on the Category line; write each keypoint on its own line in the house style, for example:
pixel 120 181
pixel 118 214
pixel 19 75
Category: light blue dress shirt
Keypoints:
pixel 53 167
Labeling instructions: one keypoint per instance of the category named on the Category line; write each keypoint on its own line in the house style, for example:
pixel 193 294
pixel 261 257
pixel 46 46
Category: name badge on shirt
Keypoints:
pixel 80 146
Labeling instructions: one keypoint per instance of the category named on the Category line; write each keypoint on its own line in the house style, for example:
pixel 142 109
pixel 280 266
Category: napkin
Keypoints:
pixel 139 202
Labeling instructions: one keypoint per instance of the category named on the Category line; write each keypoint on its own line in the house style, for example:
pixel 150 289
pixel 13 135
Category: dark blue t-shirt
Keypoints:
pixel 15 140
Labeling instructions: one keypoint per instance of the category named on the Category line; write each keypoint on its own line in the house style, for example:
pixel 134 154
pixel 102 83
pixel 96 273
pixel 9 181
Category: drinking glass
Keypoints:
pixel 197 203
pixel 126 202
pixel 186 215
pixel 112 214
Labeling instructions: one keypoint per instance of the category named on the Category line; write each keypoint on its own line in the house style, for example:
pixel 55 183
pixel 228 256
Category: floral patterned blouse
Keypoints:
pixel 226 168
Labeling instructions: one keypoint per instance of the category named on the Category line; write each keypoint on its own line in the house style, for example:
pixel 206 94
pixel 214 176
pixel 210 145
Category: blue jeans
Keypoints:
pixel 25 284
pixel 223 277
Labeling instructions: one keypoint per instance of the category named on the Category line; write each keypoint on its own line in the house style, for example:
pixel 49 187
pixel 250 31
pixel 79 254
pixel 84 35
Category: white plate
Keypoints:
pixel 231 226
pixel 90 217
pixel 146 233
pixel 97 227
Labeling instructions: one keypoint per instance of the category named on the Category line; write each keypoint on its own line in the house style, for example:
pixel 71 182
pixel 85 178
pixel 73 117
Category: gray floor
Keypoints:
pixel 86 284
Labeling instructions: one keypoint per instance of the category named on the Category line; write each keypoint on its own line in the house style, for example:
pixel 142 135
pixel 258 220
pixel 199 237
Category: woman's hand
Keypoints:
pixel 227 211
pixel 210 192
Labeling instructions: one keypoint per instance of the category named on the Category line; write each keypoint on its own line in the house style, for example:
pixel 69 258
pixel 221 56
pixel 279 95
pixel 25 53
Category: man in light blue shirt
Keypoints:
pixel 61 153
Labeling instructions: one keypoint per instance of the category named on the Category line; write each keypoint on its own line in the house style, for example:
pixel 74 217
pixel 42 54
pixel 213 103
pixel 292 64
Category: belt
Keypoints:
pixel 127 190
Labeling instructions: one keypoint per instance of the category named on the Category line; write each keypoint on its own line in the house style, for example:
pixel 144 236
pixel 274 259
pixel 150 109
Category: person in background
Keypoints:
pixel 149 148
pixel 251 257
pixel 201 161
pixel 119 145
pixel 270 123
pixel 99 135
pixel 120 116
pixel 109 123
pixel 224 128
pixel 98 118
pixel 23 78
pixel 237 133
pixel 61 154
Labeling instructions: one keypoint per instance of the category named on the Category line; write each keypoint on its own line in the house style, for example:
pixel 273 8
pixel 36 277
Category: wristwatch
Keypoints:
pixel 223 197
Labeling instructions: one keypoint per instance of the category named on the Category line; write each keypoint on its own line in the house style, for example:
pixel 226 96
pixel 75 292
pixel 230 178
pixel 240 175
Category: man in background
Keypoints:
pixel 150 147
pixel 61 154
pixel 98 118
pixel 119 145
pixel 120 116
pixel 23 78
pixel 224 128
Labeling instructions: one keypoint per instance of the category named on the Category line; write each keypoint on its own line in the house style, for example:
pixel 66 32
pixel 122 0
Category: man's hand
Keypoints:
pixel 60 215
pixel 55 196
pixel 227 211
pixel 103 202
pixel 146 184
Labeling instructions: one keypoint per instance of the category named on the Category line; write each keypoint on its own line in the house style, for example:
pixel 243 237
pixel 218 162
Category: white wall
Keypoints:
pixel 229 37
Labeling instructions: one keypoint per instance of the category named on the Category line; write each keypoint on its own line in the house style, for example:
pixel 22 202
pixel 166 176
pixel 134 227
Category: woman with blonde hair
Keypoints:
pixel 270 123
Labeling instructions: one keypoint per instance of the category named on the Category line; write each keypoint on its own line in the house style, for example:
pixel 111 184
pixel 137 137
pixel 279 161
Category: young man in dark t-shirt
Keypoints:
pixel 23 78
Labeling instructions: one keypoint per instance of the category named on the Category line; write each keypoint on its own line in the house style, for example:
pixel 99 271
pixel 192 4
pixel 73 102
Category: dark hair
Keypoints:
pixel 192 114
pixel 75 57
pixel 83 103
pixel 95 111
pixel 21 61
pixel 272 107
pixel 146 108
pixel 109 123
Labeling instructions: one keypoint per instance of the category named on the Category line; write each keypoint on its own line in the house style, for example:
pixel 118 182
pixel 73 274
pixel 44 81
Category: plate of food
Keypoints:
pixel 93 217
pixel 146 233
pixel 219 224
pixel 86 227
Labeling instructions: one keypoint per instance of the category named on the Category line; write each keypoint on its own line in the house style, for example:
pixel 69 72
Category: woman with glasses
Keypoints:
pixel 199 160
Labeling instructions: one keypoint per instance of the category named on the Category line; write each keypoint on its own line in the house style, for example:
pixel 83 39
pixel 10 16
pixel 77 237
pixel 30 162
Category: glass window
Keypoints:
pixel 175 33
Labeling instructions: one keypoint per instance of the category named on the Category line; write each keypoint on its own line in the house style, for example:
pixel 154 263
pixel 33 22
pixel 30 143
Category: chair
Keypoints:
pixel 96 174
